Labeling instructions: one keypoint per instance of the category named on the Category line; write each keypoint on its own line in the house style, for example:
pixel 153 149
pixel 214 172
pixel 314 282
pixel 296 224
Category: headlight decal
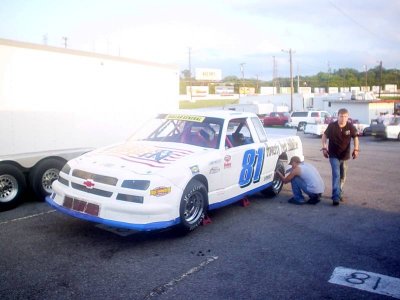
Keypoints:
pixel 136 184
pixel 130 198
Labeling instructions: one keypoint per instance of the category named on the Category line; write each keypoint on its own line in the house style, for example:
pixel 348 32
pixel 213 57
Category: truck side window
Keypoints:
pixel 260 129
pixel 238 133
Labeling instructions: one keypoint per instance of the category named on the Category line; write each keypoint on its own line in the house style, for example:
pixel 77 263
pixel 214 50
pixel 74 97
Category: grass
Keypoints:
pixel 206 103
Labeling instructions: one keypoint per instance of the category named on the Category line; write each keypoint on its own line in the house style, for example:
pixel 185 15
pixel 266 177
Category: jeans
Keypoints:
pixel 299 186
pixel 339 170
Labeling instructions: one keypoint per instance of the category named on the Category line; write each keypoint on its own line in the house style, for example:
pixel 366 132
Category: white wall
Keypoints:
pixel 54 98
pixel 278 100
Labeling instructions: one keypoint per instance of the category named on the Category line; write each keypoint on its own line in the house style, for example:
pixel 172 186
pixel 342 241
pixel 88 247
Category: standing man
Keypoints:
pixel 305 178
pixel 339 134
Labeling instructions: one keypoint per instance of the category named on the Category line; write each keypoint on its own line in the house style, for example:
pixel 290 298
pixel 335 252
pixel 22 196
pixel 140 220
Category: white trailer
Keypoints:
pixel 256 108
pixel 58 103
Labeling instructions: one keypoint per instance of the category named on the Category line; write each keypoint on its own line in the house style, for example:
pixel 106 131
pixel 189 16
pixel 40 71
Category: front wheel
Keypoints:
pixel 277 182
pixel 301 126
pixel 193 206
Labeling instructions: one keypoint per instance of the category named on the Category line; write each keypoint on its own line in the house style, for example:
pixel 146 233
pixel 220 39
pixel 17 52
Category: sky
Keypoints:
pixel 324 35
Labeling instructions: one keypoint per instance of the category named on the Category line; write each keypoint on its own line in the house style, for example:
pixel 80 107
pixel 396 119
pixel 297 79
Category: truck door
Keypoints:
pixel 243 159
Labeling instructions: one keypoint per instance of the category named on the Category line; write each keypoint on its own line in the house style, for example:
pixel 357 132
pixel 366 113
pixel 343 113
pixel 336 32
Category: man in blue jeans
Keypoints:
pixel 339 134
pixel 305 178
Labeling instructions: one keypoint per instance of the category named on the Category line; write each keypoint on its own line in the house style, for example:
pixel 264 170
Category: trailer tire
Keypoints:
pixel 12 186
pixel 43 174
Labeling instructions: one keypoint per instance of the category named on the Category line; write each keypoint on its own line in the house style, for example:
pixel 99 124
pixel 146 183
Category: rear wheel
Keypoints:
pixel 301 126
pixel 193 206
pixel 43 174
pixel 277 182
pixel 12 186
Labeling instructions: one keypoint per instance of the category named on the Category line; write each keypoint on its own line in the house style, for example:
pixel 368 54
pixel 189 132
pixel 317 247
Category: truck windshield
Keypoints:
pixel 194 130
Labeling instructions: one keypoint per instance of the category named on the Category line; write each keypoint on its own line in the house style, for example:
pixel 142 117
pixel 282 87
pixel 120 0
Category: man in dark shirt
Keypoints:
pixel 339 134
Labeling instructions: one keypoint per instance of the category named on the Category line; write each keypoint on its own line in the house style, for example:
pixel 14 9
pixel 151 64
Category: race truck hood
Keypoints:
pixel 140 157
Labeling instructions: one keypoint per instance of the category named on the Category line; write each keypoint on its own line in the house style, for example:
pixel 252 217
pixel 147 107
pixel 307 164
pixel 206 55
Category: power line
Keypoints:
pixel 353 20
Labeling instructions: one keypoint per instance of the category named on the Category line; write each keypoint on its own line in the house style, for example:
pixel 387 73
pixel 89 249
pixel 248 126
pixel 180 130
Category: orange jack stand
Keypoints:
pixel 245 202
pixel 207 220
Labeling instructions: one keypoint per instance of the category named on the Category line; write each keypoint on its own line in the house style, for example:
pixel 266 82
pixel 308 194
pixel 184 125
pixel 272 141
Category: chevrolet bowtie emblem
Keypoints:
pixel 88 183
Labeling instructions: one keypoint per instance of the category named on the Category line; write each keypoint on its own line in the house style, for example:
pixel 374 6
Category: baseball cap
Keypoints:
pixel 295 159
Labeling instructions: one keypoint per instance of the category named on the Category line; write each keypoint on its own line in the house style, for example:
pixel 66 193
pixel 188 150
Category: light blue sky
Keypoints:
pixel 221 33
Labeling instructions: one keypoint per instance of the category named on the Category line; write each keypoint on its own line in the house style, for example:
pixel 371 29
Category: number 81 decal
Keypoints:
pixel 252 165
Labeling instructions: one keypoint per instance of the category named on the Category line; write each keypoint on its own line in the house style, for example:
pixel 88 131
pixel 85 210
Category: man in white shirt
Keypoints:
pixel 304 178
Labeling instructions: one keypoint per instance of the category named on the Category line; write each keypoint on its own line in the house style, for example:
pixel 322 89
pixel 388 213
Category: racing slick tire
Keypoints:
pixel 193 206
pixel 12 186
pixel 277 182
pixel 43 174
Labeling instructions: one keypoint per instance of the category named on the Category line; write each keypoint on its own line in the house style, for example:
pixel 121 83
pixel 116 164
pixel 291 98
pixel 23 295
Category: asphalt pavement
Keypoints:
pixel 268 250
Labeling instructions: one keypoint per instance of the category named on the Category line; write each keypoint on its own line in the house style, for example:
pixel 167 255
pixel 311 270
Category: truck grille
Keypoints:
pixel 91 191
pixel 95 177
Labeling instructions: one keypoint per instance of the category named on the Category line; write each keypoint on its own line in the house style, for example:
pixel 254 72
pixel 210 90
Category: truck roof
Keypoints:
pixel 223 114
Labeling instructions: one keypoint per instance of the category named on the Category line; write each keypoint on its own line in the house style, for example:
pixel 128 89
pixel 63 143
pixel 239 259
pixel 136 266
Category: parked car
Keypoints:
pixel 275 119
pixel 318 128
pixel 299 119
pixel 388 128
pixel 175 169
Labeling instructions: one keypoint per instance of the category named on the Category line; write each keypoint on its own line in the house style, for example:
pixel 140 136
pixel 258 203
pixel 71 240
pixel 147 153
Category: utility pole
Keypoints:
pixel 298 79
pixel 366 78
pixel 291 76
pixel 329 76
pixel 380 78
pixel 275 79
pixel 242 71
pixel 257 84
pixel 190 74
pixel 65 41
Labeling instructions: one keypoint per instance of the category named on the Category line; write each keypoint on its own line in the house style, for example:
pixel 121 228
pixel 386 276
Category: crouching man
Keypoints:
pixel 304 178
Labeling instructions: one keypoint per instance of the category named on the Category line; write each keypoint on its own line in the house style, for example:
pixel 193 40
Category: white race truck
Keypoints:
pixel 56 104
pixel 175 169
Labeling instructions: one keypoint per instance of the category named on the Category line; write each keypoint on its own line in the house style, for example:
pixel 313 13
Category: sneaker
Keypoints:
pixel 335 202
pixel 313 201
pixel 291 200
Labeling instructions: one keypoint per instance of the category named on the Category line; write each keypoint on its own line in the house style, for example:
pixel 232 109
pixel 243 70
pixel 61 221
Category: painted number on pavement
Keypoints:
pixel 367 281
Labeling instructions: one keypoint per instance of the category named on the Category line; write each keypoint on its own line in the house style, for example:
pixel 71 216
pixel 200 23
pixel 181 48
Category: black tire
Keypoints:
pixel 193 206
pixel 43 174
pixel 277 182
pixel 12 186
pixel 301 126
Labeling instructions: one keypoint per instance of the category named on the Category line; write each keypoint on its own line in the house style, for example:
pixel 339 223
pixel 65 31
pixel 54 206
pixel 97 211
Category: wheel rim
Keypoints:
pixel 47 179
pixel 194 208
pixel 277 184
pixel 8 188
